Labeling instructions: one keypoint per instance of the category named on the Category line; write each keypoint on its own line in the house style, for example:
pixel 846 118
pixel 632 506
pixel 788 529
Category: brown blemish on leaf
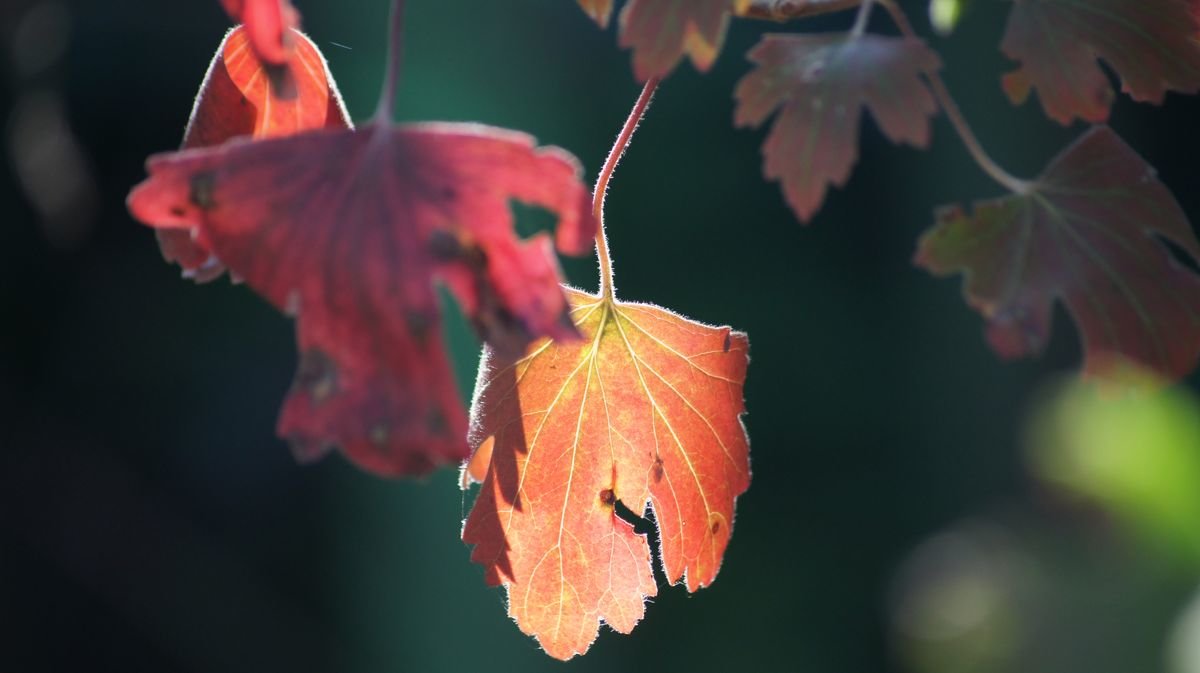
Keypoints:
pixel 436 423
pixel 607 498
pixel 201 193
pixel 380 435
pixel 316 376
pixel 419 324
pixel 445 246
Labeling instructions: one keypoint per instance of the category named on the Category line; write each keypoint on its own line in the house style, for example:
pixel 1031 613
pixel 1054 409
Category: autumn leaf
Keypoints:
pixel 661 32
pixel 348 230
pixel 819 84
pixel 1087 232
pixel 1151 45
pixel 599 10
pixel 644 409
pixel 267 25
pixel 241 97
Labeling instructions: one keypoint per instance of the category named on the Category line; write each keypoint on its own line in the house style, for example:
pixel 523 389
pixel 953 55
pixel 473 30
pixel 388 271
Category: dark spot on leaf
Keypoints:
pixel 379 435
pixel 727 342
pixel 658 469
pixel 1179 254
pixel 436 423
pixel 716 527
pixel 419 323
pixel 178 211
pixel 281 82
pixel 316 376
pixel 607 498
pixel 445 246
pixel 202 191
pixel 564 319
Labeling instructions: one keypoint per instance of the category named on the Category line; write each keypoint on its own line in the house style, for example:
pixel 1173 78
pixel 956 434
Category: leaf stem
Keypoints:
pixel 787 10
pixel 954 114
pixel 391 73
pixel 610 164
pixel 860 21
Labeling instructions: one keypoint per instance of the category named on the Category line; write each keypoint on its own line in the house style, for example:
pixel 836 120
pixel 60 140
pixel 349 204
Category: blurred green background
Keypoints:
pixel 917 504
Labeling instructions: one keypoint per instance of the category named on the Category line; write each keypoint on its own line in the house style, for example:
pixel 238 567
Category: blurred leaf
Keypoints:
pixel 945 14
pixel 1087 233
pixel 241 96
pixel 820 85
pixel 347 230
pixel 1026 591
pixel 1134 450
pixel 1150 44
pixel 1184 646
pixel 661 32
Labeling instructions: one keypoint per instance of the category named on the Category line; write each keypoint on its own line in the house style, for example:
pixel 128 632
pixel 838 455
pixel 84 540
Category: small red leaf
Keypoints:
pixel 267 24
pixel 820 83
pixel 241 97
pixel 348 230
pixel 1084 234
pixel 644 409
pixel 660 32
pixel 1150 44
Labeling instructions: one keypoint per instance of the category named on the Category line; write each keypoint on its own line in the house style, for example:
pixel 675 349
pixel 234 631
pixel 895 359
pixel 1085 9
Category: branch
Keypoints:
pixel 787 10
pixel 954 114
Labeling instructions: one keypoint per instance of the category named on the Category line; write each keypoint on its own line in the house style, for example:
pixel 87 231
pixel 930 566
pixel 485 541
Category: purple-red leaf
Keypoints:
pixel 242 97
pixel 1086 233
pixel 819 84
pixel 1150 44
pixel 348 231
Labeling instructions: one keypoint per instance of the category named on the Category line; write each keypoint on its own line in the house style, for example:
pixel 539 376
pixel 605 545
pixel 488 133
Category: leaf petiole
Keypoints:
pixel 610 165
pixel 954 114
pixel 391 73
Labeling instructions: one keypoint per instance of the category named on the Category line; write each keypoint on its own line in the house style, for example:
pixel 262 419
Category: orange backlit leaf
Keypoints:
pixel 820 84
pixel 348 231
pixel 645 409
pixel 1151 45
pixel 1086 233
pixel 240 97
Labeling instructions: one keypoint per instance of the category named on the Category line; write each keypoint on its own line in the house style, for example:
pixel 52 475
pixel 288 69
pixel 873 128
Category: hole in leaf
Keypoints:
pixel 530 220
pixel 1180 255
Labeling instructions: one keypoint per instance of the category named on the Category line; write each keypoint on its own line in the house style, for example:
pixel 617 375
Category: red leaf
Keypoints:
pixel 1150 44
pixel 241 97
pixel 660 32
pixel 1084 234
pixel 267 24
pixel 820 83
pixel 348 230
pixel 644 409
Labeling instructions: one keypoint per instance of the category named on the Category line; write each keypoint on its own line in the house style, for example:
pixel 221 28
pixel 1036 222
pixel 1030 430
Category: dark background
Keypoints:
pixel 151 521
